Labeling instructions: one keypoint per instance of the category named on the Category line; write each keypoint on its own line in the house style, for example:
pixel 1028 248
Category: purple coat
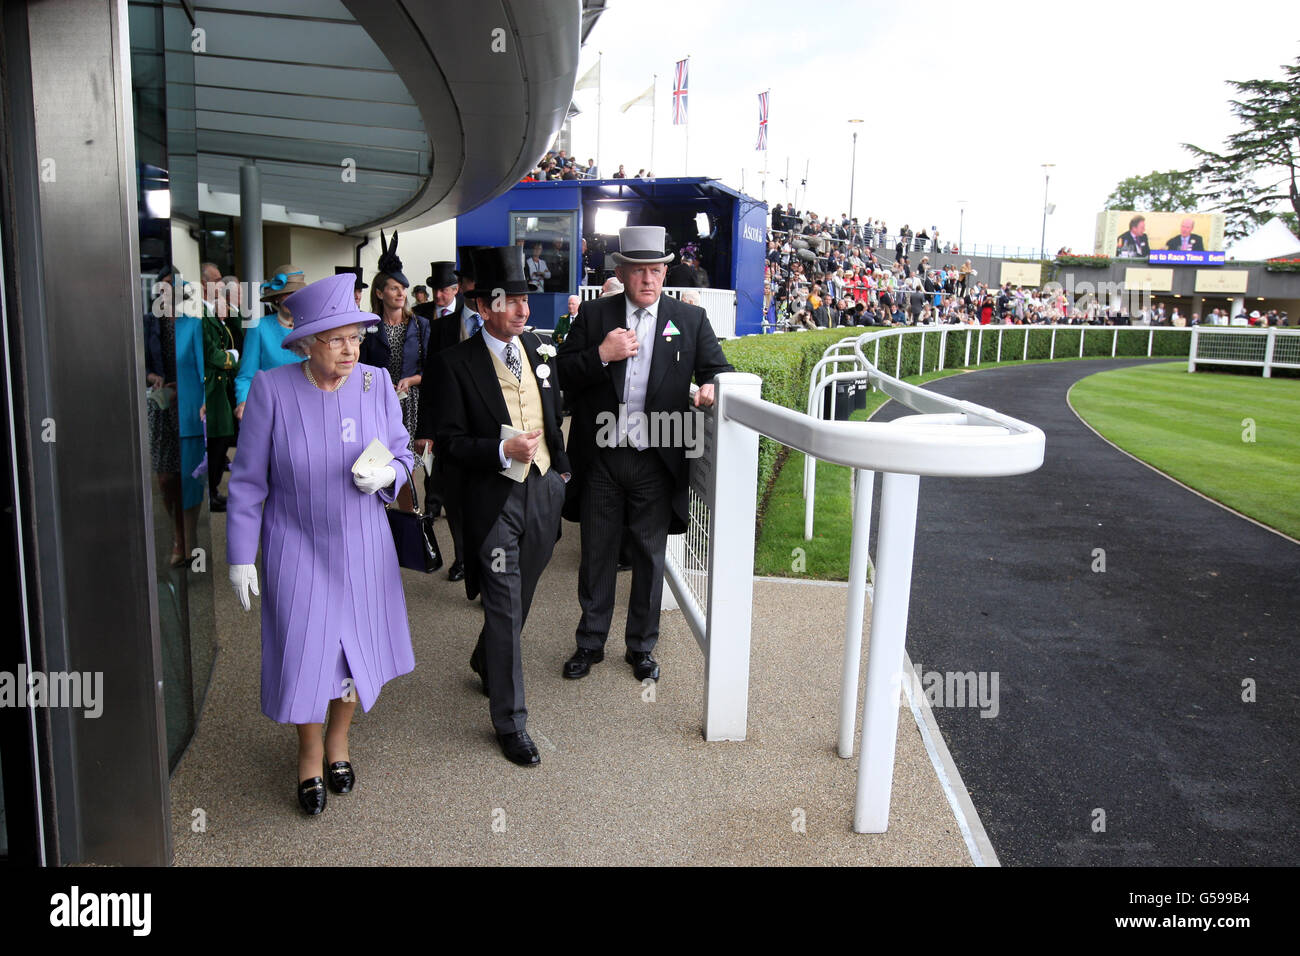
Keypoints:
pixel 332 599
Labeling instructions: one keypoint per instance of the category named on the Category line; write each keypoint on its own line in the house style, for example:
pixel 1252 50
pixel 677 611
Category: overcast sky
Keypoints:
pixel 962 101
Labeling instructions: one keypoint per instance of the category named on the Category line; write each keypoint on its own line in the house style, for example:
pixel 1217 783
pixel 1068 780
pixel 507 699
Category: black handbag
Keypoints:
pixel 417 546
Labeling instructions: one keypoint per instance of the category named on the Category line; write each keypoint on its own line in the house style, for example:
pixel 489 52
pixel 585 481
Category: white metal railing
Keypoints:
pixel 827 373
pixel 710 568
pixel 1260 348
pixel 1207 345
pixel 720 304
pixel 948 438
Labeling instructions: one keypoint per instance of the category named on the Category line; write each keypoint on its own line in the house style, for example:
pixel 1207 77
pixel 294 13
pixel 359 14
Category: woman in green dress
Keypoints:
pixel 220 362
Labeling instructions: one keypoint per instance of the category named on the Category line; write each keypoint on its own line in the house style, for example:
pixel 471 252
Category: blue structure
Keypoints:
pixel 561 215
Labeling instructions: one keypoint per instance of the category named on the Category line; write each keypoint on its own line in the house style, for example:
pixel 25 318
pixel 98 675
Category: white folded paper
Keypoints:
pixel 518 470
pixel 375 456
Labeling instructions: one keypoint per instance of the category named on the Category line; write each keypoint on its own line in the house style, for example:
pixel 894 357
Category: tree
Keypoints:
pixel 1256 171
pixel 1171 191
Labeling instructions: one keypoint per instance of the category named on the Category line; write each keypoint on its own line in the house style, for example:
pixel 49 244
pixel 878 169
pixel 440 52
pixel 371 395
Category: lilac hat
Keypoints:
pixel 323 305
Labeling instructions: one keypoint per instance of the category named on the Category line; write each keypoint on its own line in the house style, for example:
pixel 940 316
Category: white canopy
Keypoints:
pixel 1269 241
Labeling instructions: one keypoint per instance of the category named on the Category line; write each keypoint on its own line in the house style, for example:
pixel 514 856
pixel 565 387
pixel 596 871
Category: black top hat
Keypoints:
pixel 499 269
pixel 466 256
pixel 356 271
pixel 441 274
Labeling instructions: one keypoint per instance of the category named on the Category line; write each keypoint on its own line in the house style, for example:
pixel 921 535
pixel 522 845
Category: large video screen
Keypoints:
pixel 1171 238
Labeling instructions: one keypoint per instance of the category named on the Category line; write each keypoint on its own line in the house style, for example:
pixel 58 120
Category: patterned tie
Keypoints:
pixel 512 361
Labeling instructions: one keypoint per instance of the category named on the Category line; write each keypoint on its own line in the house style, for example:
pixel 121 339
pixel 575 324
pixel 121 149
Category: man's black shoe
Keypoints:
pixel 456 572
pixel 579 665
pixel 217 503
pixel 643 665
pixel 519 748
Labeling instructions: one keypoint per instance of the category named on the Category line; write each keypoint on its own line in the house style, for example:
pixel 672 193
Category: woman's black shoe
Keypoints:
pixel 311 795
pixel 342 779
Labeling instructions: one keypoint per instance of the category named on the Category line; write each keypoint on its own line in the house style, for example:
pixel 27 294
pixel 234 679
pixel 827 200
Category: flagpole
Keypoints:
pixel 686 159
pixel 654 92
pixel 600 79
pixel 767 136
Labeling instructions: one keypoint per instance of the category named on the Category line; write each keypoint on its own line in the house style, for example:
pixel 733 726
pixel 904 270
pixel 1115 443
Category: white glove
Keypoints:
pixel 370 480
pixel 243 578
pixel 234 355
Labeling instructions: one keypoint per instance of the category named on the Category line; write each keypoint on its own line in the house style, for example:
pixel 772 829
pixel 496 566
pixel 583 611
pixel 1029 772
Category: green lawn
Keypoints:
pixel 1194 427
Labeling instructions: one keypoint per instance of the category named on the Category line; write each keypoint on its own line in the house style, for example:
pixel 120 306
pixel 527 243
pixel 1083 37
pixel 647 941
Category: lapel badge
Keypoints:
pixel 366 377
pixel 543 370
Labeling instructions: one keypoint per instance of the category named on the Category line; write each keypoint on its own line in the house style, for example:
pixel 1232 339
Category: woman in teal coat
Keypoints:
pixel 263 349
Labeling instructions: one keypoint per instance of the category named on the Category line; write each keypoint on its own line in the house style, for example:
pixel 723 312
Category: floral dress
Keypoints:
pixel 411 404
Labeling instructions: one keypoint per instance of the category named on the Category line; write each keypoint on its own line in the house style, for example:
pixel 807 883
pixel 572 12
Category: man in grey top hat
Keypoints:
pixel 628 358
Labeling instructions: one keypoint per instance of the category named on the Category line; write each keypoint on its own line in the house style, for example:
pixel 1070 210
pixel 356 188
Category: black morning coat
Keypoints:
pixel 592 388
pixel 468 413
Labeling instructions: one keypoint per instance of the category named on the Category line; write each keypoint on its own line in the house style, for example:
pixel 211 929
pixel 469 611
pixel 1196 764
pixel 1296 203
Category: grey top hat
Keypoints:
pixel 641 245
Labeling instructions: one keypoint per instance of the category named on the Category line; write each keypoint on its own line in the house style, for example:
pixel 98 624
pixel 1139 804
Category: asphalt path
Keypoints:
pixel 1121 735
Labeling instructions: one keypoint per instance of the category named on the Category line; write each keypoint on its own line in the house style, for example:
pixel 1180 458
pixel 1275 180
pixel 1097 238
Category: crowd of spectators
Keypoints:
pixel 556 165
pixel 823 273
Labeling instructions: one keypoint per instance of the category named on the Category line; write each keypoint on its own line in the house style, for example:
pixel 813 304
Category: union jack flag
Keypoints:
pixel 679 92
pixel 762 121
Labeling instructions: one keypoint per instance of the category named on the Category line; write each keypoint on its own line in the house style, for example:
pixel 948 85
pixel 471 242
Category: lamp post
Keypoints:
pixel 1042 243
pixel 853 169
pixel 961 222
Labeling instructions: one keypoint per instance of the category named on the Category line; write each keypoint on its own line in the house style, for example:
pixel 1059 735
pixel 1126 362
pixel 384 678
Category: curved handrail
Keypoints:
pixel 997 445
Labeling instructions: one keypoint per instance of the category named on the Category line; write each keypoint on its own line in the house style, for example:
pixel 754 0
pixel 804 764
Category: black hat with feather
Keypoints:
pixel 388 261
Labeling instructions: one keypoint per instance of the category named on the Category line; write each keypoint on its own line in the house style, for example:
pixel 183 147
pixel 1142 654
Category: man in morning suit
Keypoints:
pixel 452 320
pixel 632 353
pixel 1186 240
pixel 493 379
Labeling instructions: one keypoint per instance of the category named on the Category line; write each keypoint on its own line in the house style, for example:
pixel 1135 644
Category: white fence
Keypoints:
pixel 1261 348
pixel 843 361
pixel 719 303
pixel 710 569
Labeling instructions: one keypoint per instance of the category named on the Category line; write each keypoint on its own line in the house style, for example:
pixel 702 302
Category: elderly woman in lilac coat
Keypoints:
pixel 334 625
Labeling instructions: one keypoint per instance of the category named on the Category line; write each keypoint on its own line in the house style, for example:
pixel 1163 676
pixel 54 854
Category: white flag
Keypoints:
pixel 590 79
pixel 646 97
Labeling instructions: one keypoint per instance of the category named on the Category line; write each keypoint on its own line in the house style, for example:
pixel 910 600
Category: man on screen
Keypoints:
pixel 1134 243
pixel 1186 240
